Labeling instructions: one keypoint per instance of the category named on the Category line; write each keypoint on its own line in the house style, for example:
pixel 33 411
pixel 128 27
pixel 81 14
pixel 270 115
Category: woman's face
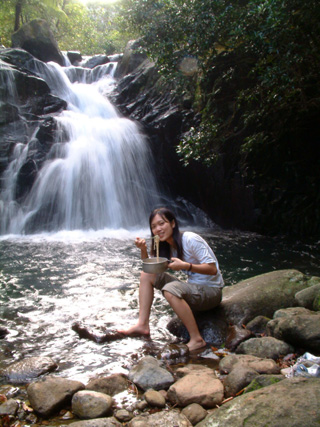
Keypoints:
pixel 163 228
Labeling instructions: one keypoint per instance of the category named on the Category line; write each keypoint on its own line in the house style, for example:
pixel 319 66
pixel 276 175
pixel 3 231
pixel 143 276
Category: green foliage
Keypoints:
pixel 92 28
pixel 258 66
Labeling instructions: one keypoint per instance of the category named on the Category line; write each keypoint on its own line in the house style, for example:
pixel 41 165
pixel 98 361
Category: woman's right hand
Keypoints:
pixel 140 243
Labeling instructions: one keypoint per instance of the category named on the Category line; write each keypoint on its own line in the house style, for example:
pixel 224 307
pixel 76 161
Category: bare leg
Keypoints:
pixel 146 293
pixel 184 312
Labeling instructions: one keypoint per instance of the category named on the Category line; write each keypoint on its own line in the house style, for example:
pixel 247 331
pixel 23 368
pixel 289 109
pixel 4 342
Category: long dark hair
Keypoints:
pixel 164 247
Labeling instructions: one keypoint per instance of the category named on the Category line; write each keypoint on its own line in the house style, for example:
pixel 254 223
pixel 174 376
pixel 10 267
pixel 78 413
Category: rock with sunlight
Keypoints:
pixel 37 38
pixel 28 369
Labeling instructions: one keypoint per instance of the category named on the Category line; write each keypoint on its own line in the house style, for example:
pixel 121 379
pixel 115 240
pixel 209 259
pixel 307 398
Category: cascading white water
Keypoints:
pixel 98 174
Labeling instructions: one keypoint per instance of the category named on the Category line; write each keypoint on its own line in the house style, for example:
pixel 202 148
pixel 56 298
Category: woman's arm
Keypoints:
pixel 209 269
pixel 142 245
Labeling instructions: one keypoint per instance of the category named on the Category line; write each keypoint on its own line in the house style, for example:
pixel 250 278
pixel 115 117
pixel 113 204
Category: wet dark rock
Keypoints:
pixel 258 325
pixel 174 353
pixel 100 335
pixel 149 374
pixel 130 60
pixel 212 328
pixel 74 57
pixel 28 369
pixel 3 332
pixel 36 37
pixel 50 394
pixel 235 336
pixel 96 60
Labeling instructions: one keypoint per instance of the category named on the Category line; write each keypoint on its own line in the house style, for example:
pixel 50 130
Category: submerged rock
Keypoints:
pixel 28 369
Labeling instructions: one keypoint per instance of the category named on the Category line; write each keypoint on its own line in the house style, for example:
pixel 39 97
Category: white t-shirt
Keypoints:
pixel 197 251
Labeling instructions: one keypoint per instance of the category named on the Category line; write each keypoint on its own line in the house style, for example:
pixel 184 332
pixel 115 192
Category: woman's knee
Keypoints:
pixel 169 296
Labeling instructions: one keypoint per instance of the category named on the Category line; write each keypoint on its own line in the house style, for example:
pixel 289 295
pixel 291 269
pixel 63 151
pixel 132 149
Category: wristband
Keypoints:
pixel 189 269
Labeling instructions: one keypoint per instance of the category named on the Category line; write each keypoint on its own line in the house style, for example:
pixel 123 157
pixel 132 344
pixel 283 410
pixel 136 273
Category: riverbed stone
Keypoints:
pixel 123 415
pixel 238 379
pixel 291 402
pixel 262 366
pixel 194 369
pixel 307 297
pixel 292 311
pixel 265 347
pixel 111 384
pixel 91 404
pixel 258 325
pixel 9 407
pixel 299 330
pixel 155 398
pixel 99 422
pixel 195 413
pixel 261 295
pixel 161 419
pixel 149 374
pixel 50 394
pixel 235 336
pixel 205 389
pixel 28 369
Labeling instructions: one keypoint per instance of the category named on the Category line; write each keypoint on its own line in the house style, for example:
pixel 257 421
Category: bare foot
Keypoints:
pixel 196 345
pixel 136 331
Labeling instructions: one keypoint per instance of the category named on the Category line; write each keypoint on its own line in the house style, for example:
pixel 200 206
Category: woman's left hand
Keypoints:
pixel 177 264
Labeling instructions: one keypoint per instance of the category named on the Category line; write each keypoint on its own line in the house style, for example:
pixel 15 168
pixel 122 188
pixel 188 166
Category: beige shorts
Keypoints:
pixel 199 297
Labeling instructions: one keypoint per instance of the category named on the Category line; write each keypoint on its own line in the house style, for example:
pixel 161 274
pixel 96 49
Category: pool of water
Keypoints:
pixel 50 281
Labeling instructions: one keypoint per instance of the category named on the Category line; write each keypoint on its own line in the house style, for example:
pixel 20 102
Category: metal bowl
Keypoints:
pixel 155 265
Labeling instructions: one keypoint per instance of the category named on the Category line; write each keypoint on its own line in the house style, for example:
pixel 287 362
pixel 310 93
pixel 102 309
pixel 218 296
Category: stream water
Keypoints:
pixel 49 281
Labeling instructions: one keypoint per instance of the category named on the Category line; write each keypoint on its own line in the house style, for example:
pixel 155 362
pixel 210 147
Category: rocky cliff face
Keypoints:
pixel 142 95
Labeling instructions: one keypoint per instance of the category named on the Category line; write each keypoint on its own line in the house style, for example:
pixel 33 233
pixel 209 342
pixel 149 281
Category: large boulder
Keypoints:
pixel 291 402
pixel 36 37
pixel 261 295
pixel 300 330
pixel 50 394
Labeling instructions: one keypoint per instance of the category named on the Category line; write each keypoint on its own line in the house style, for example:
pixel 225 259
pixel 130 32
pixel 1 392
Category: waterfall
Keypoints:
pixel 99 172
